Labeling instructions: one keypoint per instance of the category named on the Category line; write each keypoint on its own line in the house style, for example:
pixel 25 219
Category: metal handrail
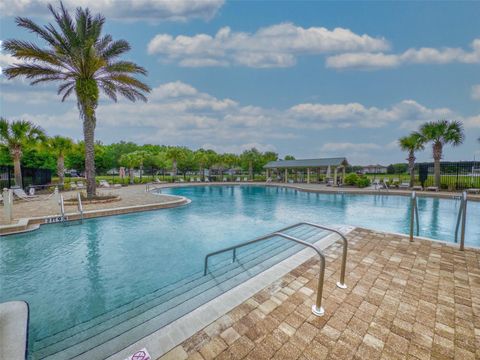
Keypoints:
pixel 62 208
pixel 413 215
pixel 461 219
pixel 80 206
pixel 317 309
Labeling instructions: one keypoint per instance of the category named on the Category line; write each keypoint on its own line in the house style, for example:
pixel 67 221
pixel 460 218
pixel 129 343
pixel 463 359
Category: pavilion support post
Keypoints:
pixel 335 176
pixel 343 176
pixel 267 174
pixel 308 175
pixel 286 176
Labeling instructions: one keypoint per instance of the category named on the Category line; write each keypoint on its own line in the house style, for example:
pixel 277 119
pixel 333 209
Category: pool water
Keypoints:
pixel 70 274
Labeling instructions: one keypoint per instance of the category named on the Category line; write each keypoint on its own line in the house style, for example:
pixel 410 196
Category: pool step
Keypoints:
pixel 140 303
pixel 112 331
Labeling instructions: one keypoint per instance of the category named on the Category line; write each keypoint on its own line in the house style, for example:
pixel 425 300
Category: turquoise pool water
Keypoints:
pixel 69 274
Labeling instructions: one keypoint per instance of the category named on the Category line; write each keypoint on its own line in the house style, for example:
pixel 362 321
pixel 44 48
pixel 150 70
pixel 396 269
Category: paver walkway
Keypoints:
pixel 404 300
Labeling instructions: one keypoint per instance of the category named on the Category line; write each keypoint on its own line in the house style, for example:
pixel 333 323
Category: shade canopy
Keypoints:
pixel 307 163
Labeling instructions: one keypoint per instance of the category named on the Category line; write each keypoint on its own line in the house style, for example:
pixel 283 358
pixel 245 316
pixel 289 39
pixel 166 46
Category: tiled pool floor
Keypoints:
pixel 404 300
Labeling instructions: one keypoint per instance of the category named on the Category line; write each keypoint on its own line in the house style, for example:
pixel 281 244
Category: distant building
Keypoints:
pixel 374 169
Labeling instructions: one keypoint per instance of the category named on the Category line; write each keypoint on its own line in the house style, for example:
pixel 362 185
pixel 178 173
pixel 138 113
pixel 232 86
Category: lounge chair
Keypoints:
pixel 104 184
pixel 73 186
pixel 237 179
pixel 181 180
pixel 245 179
pixel 80 185
pixel 207 179
pixel 21 194
pixel 225 179
pixel 199 180
pixel 404 185
pixel 329 182
pixel 432 188
pixel 473 191
pixel 269 180
pixel 417 188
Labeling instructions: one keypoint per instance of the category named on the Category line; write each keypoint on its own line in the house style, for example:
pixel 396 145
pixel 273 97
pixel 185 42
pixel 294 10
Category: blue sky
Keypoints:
pixel 312 79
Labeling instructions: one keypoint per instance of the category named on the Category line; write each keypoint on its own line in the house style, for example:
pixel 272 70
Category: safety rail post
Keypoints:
pixel 413 215
pixel 62 209
pixel 464 220
pixel 80 206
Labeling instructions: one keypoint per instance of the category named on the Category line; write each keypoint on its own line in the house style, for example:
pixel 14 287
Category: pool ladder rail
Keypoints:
pixel 317 308
pixel 461 220
pixel 79 207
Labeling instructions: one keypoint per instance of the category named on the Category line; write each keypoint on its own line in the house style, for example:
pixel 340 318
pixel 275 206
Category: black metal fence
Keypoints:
pixel 453 175
pixel 30 176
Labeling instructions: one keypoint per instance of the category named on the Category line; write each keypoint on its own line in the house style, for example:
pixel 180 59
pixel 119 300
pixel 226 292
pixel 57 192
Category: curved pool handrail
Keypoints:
pixel 317 308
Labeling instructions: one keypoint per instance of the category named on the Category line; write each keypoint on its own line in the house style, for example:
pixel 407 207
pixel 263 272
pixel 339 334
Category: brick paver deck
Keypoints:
pixel 404 300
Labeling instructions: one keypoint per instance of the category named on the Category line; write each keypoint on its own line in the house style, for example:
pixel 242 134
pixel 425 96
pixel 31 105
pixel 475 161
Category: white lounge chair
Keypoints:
pixel 73 186
pixel 237 179
pixel 23 195
pixel 245 179
pixel 199 180
pixel 269 180
pixel 473 191
pixel 404 185
pixel 225 179
pixel 80 185
pixel 207 179
pixel 432 188
pixel 104 184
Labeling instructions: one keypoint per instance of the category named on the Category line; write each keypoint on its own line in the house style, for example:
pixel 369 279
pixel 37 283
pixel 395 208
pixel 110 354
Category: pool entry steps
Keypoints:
pixel 317 308
pixel 112 331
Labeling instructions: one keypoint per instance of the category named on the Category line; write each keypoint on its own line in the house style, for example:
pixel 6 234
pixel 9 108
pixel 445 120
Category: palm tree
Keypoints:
pixel 16 136
pixel 441 133
pixel 130 161
pixel 60 146
pixel 174 154
pixel 250 157
pixel 84 62
pixel 411 143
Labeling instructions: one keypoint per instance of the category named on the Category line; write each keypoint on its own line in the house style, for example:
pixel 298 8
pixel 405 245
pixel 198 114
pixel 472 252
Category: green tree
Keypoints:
pixel 17 136
pixel 412 143
pixel 84 62
pixel 130 161
pixel 249 159
pixel 441 133
pixel 289 157
pixel 174 154
pixel 60 146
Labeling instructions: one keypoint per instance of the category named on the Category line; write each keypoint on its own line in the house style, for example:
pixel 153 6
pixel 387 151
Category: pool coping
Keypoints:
pixel 165 339
pixel 30 224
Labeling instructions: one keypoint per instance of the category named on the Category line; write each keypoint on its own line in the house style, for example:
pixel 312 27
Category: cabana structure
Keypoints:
pixel 314 168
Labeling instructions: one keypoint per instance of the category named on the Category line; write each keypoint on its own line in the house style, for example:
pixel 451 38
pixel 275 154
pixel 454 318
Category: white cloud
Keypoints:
pixel 404 113
pixel 476 92
pixel 374 60
pixel 152 10
pixel 272 46
pixel 348 147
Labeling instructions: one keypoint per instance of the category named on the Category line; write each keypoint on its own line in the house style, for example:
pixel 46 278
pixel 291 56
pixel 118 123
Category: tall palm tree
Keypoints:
pixel 174 154
pixel 60 146
pixel 84 62
pixel 441 133
pixel 250 157
pixel 411 143
pixel 130 161
pixel 201 158
pixel 16 136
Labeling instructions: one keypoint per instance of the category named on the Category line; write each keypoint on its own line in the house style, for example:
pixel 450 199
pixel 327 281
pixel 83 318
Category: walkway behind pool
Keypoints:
pixel 404 300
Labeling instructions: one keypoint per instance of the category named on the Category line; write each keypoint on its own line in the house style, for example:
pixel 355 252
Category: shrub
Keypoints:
pixel 351 179
pixel 363 182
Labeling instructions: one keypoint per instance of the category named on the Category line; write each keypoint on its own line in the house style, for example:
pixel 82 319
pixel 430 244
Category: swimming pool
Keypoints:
pixel 71 275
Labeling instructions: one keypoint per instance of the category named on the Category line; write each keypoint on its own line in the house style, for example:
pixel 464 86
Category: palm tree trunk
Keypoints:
pixel 437 156
pixel 61 168
pixel 131 175
pixel 17 169
pixel 89 137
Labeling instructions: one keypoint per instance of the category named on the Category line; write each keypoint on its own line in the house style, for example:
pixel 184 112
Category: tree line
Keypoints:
pixel 22 143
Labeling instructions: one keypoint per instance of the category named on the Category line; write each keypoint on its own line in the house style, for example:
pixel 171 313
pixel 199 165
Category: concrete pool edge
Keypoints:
pixel 30 224
pixel 165 339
